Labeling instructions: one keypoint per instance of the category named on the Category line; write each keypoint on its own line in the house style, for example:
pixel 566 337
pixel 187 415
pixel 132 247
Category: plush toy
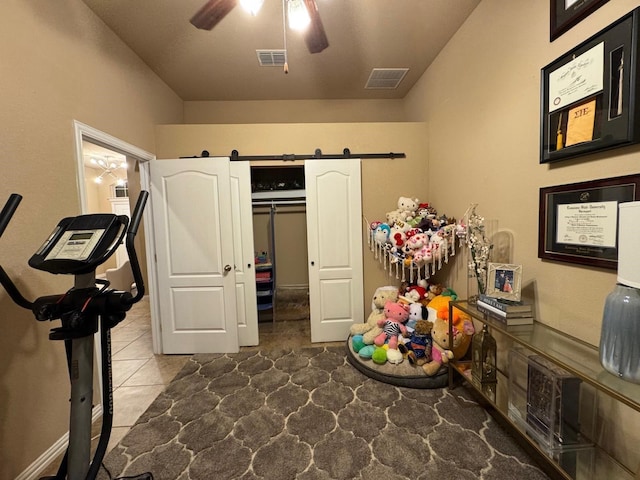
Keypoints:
pixel 440 302
pixel 392 325
pixel 407 207
pixel 369 329
pixel 405 212
pixel 417 311
pixel 445 348
pixel 381 235
pixel 379 355
pixel 418 348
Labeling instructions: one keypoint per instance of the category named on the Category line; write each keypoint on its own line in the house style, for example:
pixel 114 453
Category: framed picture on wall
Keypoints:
pixel 567 13
pixel 588 96
pixel 579 221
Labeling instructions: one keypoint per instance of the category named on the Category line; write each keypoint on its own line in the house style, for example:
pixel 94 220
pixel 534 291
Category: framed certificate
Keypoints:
pixel 567 13
pixel 579 221
pixel 588 96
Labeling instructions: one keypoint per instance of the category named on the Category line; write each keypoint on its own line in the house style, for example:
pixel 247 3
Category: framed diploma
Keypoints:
pixel 567 13
pixel 579 221
pixel 588 96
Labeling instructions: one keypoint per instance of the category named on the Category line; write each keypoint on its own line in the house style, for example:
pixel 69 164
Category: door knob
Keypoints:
pixel 227 268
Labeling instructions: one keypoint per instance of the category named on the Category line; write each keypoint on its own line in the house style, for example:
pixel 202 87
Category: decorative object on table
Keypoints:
pixel 578 221
pixel 483 357
pixel 553 403
pixel 506 306
pixel 479 249
pixel 504 281
pixel 620 335
pixel 568 13
pixel 589 99
pixel 505 311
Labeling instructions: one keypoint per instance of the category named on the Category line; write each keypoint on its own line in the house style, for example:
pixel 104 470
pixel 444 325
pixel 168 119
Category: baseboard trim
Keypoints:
pixel 58 448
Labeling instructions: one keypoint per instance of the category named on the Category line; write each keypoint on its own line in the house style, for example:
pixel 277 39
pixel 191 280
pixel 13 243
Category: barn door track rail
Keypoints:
pixel 346 153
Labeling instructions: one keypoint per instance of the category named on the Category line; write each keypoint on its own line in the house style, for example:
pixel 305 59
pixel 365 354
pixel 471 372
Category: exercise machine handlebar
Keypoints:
pixel 136 217
pixel 5 217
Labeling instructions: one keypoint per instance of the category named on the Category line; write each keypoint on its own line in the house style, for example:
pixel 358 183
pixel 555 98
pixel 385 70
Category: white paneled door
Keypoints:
pixel 196 282
pixel 334 235
pixel 244 255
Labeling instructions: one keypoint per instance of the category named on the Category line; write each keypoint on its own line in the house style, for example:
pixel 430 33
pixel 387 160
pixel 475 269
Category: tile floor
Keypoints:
pixel 139 375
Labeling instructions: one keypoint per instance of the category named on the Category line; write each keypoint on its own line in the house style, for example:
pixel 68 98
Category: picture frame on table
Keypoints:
pixel 589 97
pixel 578 222
pixel 504 280
pixel 565 14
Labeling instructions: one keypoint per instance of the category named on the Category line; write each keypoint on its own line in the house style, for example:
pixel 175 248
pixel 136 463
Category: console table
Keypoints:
pixel 576 357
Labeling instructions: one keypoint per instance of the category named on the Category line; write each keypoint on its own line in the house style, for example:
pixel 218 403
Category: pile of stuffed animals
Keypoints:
pixel 412 322
pixel 414 234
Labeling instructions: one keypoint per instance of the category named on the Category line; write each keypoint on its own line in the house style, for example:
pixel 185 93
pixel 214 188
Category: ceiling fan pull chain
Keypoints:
pixel 284 35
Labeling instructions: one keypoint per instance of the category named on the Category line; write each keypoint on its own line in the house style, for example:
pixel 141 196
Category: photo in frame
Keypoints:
pixel 588 96
pixel 504 280
pixel 579 221
pixel 567 13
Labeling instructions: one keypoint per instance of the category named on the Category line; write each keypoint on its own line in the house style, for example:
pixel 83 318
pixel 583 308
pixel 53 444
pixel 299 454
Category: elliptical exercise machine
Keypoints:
pixel 76 247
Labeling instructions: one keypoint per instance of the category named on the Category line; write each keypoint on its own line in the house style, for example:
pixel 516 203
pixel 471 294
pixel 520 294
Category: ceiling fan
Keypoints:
pixel 213 11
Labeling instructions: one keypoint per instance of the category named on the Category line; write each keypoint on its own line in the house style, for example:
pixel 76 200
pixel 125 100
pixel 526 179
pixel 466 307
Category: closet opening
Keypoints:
pixel 280 243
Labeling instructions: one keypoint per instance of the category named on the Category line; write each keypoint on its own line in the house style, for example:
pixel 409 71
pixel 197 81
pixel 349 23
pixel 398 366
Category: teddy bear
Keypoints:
pixel 392 325
pixel 444 348
pixel 369 329
pixel 418 348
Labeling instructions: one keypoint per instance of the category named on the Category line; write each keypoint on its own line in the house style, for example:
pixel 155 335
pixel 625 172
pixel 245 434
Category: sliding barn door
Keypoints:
pixel 191 205
pixel 243 253
pixel 334 235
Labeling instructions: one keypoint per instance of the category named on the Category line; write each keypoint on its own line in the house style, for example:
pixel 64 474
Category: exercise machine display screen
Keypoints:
pixel 79 244
pixel 75 245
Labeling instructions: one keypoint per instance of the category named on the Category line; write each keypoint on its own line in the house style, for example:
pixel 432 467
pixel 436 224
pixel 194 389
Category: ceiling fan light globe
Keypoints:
pixel 297 15
pixel 252 6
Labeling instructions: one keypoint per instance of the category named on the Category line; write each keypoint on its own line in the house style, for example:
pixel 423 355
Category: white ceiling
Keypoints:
pixel 91 150
pixel 222 64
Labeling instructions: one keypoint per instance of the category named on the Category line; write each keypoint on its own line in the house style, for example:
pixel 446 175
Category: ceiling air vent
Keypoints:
pixel 271 58
pixel 386 77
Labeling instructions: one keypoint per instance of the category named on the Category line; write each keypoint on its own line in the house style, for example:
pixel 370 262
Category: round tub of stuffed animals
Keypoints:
pixel 402 375
pixel 418 361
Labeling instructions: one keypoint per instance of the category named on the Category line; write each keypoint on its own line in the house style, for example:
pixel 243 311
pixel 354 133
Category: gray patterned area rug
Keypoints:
pixel 308 414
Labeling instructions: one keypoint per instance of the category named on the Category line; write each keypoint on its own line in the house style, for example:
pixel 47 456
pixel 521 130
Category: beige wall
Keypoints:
pixel 293 111
pixel 480 100
pixel 59 63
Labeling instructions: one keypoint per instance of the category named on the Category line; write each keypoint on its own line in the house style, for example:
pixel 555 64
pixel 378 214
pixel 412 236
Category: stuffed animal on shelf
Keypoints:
pixel 382 232
pixel 405 212
pixel 392 325
pixel 369 329
pixel 444 347
pixel 418 348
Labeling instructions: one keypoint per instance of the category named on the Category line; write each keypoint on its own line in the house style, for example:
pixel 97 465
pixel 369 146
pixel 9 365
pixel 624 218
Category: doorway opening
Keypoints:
pixel 280 240
pixel 117 184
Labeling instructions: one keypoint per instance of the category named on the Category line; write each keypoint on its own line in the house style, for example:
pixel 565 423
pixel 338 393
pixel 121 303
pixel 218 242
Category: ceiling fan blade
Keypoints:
pixel 211 13
pixel 315 37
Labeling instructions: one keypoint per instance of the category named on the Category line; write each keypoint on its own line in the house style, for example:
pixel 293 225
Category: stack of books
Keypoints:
pixel 507 311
